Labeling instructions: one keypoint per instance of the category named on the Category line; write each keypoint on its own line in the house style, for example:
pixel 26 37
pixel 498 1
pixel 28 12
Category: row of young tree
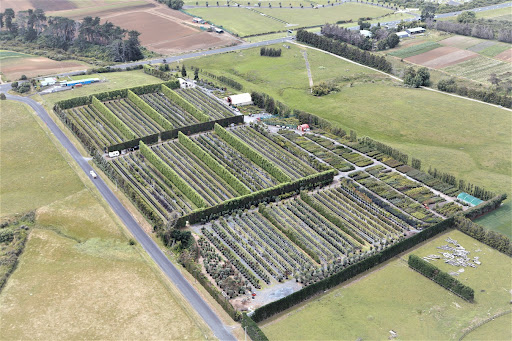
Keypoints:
pixel 467 187
pixel 385 38
pixel 343 50
pixel 174 4
pixel 491 238
pixel 88 36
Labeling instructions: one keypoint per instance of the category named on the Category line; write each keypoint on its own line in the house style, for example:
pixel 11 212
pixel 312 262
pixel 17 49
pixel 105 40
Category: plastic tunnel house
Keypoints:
pixel 469 199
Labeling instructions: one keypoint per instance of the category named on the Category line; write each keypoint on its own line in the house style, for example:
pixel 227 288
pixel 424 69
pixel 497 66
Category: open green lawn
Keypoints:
pixel 498 329
pixel 32 172
pixel 244 22
pixel 113 81
pixel 495 50
pixel 496 14
pixel 5 54
pixel 499 220
pixel 444 131
pixel 397 298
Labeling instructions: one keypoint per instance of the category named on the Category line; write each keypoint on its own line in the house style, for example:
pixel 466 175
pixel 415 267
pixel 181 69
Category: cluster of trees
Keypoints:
pixel 150 70
pixel 440 277
pixel 21 88
pixel 89 36
pixel 417 78
pixel 385 149
pixel 488 206
pixel 385 38
pixel 491 238
pixel 486 95
pixel 324 88
pixel 270 52
pixel 444 7
pixel 468 25
pixel 174 4
pixel 343 50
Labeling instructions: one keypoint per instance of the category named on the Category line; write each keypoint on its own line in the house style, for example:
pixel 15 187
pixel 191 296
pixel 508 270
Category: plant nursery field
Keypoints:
pixel 421 308
pixel 435 132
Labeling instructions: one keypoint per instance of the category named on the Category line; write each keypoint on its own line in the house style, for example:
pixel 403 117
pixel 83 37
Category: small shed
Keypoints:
pixel 198 20
pixel 218 30
pixel 366 33
pixel 403 34
pixel 469 199
pixel 239 100
pixel 415 31
pixel 303 127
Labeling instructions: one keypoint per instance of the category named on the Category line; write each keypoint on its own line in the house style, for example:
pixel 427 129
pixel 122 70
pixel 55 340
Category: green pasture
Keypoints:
pixel 394 297
pixel 415 49
pixel 80 278
pixel 443 131
pixel 498 329
pixel 499 220
pixel 113 81
pixel 243 22
pixel 5 54
pixel 33 173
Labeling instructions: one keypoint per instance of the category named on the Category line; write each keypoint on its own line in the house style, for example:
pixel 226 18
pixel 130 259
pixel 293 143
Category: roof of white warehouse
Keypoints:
pixel 415 30
pixel 241 99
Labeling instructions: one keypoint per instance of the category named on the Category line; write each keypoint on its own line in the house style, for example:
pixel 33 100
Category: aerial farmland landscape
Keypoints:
pixel 263 170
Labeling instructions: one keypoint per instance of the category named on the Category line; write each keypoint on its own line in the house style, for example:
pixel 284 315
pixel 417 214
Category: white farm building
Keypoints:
pixel 239 100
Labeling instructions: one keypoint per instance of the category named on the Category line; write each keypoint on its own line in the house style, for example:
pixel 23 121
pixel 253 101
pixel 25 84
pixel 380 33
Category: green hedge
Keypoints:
pixel 249 326
pixel 173 96
pixel 150 70
pixel 109 115
pixel 254 198
pixel 213 164
pixel 440 277
pixel 331 217
pixel 251 154
pixel 288 233
pixel 349 272
pixel 150 139
pixel 170 174
pixel 491 238
pixel 155 115
pixel 200 127
pixel 485 207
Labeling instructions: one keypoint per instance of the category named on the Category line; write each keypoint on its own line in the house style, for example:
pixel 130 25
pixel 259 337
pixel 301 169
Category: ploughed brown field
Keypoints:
pixel 442 57
pixel 37 66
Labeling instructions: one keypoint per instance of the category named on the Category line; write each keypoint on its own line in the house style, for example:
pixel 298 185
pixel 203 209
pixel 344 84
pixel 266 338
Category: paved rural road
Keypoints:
pixel 147 243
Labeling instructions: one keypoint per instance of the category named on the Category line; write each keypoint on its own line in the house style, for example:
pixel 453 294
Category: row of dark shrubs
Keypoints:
pixel 440 277
pixel 489 95
pixel 270 52
pixel 153 71
pixel 491 238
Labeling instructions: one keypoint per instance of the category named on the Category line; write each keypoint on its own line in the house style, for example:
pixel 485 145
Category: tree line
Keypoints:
pixel 440 277
pixel 467 187
pixel 270 52
pixel 485 95
pixel 491 238
pixel 343 50
pixel 478 29
pixel 86 37
pixel 174 4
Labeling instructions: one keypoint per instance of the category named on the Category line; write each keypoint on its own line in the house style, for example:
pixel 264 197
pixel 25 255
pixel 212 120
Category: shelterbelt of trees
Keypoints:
pixel 87 37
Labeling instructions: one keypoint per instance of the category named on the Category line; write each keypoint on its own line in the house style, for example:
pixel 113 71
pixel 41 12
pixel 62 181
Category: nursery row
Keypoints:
pixel 206 103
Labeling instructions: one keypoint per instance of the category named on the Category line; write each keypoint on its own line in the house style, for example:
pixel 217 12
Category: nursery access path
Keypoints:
pixel 220 330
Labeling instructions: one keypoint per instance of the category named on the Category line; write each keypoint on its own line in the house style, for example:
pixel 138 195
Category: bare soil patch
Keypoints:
pixel 442 57
pixel 167 32
pixel 461 42
pixel 505 56
pixel 37 66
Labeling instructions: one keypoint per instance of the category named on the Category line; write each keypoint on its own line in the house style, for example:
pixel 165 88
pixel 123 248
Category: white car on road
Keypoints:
pixel 94 176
